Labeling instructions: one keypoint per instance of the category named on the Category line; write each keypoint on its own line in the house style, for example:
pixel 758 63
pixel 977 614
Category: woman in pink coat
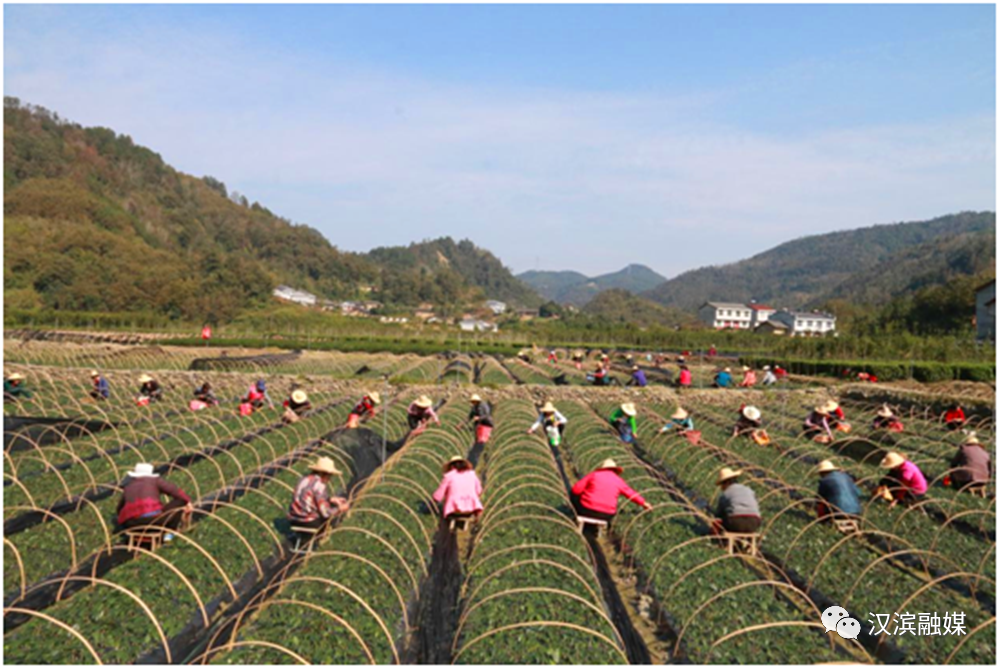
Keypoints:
pixel 596 494
pixel 460 489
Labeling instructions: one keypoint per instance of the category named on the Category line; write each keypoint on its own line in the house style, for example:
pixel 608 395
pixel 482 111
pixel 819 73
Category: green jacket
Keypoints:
pixel 15 391
pixel 618 415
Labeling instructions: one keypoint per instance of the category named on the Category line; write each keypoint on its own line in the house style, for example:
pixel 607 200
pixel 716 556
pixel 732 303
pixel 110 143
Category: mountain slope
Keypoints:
pixel 801 271
pixel 577 289
pixel 550 284
pixel 620 306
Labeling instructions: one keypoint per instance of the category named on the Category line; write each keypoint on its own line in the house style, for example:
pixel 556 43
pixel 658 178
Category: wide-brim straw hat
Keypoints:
pixel 143 470
pixel 727 370
pixel 767 368
pixel 548 408
pixel 971 438
pixel 821 408
pixel 744 368
pixel 751 412
pixel 727 474
pixel 424 402
pixel 375 397
pixel 324 465
pixel 454 461
pixel 145 378
pixel 826 466
pixel 300 397
pixel 610 464
pixel 831 406
pixel 628 409
pixel 884 411
pixel 635 368
pixel 94 372
pixel 476 398
pixel 679 414
pixel 16 377
pixel 892 460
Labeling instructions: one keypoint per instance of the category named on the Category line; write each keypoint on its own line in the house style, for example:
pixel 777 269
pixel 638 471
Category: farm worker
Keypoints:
pixel 712 352
pixel 684 378
pixel 736 510
pixel 972 464
pixel 206 333
pixel 779 372
pixel 838 493
pixel 605 362
pixel 150 390
pixel 257 394
pixel 296 405
pixel 141 504
pixel 955 418
pixel 549 417
pixel 596 494
pixel 102 389
pixel 748 421
pixel 723 378
pixel 578 359
pixel 679 420
pixel 749 378
pixel 205 394
pixel 524 354
pixel 420 413
pixel 769 378
pixel 312 505
pixel 836 416
pixel 459 490
pixel 885 419
pixel 481 415
pixel 552 356
pixel 817 425
pixel 14 389
pixel 638 377
pixel 623 420
pixel 364 410
pixel 904 482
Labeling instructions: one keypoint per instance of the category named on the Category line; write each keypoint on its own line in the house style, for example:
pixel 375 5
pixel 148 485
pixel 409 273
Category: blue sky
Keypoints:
pixel 559 137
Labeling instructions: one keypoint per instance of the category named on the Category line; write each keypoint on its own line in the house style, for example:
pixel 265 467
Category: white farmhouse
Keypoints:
pixel 986 316
pixel 496 306
pixel 721 315
pixel 806 323
pixel 294 295
pixel 760 314
pixel 473 325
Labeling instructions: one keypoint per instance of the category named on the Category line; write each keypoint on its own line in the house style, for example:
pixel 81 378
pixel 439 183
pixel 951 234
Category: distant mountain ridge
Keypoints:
pixel 569 287
pixel 808 270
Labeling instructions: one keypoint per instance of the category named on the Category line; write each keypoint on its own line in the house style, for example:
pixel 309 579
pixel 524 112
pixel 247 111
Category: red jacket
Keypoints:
pixel 955 416
pixel 142 496
pixel 599 491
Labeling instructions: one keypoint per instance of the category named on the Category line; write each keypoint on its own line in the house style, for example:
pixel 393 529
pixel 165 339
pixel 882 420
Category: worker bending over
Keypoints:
pixel 623 420
pixel 420 413
pixel 312 505
pixel 838 493
pixel 596 494
pixel 460 490
pixel 364 410
pixel 736 510
pixel 141 505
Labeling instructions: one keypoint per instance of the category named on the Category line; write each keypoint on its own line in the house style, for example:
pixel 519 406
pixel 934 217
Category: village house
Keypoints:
pixel 986 318
pixel 475 325
pixel 806 323
pixel 294 295
pixel 496 306
pixel 721 315
pixel 759 314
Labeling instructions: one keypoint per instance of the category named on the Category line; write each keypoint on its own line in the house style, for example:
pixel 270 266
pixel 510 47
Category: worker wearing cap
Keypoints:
pixel 885 419
pixel 460 489
pixel 971 463
pixel 749 420
pixel 596 494
pixel 623 420
pixel 150 389
pixel 364 410
pixel 481 417
pixel 638 377
pixel 421 412
pixel 769 378
pixel 749 378
pixel 141 502
pixel 723 378
pixel 903 483
pixel 680 420
pixel 549 417
pixel 312 505
pixel 101 390
pixel 736 510
pixel 838 494
pixel 257 395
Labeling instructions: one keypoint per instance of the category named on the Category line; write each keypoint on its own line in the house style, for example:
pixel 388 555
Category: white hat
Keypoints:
pixel 375 397
pixel 94 372
pixel 424 402
pixel 726 474
pixel 884 411
pixel 628 409
pixel 143 470
pixel 610 464
pixel 727 370
pixel 300 396
pixel 892 460
pixel 826 466
pixel 679 414
pixel 145 378
pixel 745 369
pixel 751 412
pixel 767 368
pixel 971 438
pixel 548 408
pixel 476 398
pixel 830 406
pixel 324 465
pixel 16 376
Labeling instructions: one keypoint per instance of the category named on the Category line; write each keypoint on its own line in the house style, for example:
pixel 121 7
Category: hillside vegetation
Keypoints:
pixel 574 288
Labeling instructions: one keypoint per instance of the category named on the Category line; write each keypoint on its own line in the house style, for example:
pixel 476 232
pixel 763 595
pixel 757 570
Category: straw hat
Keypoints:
pixel 821 408
pixel 16 377
pixel 679 414
pixel 628 409
pixel 826 466
pixel 548 408
pixel 884 411
pixel 635 368
pixel 145 378
pixel 726 474
pixel 143 470
pixel 751 413
pixel 375 397
pixel 892 460
pixel 324 465
pixel 610 464
pixel 744 369
pixel 94 372
pixel 476 398
pixel 831 406
pixel 971 438
pixel 455 460
pixel 727 370
pixel 604 356
pixel 299 397
pixel 424 402
pixel 767 368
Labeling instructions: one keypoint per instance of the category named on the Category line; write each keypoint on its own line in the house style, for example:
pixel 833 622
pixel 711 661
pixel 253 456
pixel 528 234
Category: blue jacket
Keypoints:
pixel 838 490
pixel 102 387
pixel 723 379
pixel 639 377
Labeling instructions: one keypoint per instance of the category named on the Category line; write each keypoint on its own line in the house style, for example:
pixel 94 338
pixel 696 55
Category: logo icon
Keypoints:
pixel 848 628
pixel 832 616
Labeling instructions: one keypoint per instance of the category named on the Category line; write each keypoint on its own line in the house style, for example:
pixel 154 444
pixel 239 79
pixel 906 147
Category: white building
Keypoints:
pixel 295 295
pixel 760 314
pixel 496 306
pixel 804 323
pixel 986 316
pixel 721 315
pixel 473 325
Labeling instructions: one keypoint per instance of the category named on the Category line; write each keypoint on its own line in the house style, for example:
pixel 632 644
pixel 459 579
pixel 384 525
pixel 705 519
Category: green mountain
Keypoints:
pixel 620 306
pixel 93 222
pixel 806 270
pixel 577 289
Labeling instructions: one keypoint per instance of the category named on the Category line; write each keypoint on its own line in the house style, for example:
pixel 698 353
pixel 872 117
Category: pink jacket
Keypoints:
pixel 685 377
pixel 460 492
pixel 599 491
pixel 911 476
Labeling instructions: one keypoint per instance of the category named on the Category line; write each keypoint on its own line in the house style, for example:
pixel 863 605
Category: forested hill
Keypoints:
pixel 805 270
pixel 94 222
pixel 618 305
pixel 569 287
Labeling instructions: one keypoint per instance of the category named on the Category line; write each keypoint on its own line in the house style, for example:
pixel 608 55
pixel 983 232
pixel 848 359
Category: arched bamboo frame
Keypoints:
pixel 543 623
pixel 58 623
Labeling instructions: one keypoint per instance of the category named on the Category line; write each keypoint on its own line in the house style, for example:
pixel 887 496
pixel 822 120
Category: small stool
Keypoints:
pixel 299 531
pixel 737 542
pixel 459 523
pixel 583 521
pixel 979 491
pixel 152 536
pixel 846 525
